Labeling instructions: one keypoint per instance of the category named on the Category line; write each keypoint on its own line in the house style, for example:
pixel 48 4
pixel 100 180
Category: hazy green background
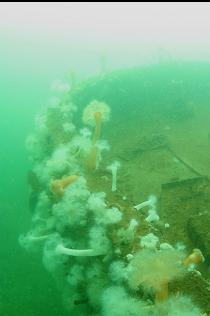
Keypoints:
pixel 24 285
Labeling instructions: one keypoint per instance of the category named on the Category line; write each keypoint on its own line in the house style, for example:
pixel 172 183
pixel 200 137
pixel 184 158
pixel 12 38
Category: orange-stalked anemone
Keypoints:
pixel 194 258
pixel 94 115
pixel 58 186
pixel 153 270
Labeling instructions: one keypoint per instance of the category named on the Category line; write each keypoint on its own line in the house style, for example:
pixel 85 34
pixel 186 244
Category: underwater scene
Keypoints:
pixel 105 191
pixel 119 191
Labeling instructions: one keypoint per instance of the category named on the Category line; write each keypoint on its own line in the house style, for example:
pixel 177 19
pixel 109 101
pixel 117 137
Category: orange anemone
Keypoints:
pixel 58 186
pixel 195 257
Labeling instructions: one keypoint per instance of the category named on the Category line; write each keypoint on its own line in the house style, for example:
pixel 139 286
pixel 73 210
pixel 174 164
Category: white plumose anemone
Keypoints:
pixel 96 107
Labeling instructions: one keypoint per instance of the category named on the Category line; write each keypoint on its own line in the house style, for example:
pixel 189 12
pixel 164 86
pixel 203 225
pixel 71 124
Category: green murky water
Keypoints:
pixel 159 132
